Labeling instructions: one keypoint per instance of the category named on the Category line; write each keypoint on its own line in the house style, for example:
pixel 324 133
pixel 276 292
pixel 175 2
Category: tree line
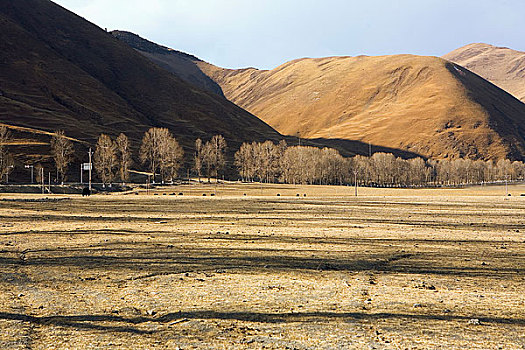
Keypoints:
pixel 268 162
pixel 384 169
pixel 162 156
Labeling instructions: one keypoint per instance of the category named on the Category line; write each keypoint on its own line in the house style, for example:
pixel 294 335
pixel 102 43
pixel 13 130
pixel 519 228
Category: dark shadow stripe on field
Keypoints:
pixel 78 322
pixel 152 259
pixel 93 321
pixel 329 316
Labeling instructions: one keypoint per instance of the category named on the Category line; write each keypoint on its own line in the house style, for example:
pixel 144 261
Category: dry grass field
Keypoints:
pixel 390 269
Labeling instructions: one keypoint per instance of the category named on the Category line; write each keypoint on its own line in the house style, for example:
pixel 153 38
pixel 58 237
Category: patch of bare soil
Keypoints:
pixel 406 270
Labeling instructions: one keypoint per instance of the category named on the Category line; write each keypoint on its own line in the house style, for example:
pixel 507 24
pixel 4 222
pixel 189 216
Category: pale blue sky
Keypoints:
pixel 267 33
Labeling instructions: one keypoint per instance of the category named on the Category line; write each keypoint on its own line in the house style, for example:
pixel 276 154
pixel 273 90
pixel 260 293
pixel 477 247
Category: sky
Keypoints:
pixel 267 33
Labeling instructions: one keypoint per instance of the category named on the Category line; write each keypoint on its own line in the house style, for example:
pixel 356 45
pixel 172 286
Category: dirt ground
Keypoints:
pixel 247 269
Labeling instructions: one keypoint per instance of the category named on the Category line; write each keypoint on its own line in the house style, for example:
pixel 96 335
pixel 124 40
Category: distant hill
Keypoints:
pixel 59 71
pixel 500 65
pixel 422 105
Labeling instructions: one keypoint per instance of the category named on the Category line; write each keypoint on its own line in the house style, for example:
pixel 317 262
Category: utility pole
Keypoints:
pixel 369 149
pixel 90 168
pixel 43 179
pixel 81 167
pixel 49 179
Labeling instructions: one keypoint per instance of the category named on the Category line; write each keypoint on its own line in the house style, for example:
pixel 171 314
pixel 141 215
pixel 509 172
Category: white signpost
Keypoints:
pixel 84 167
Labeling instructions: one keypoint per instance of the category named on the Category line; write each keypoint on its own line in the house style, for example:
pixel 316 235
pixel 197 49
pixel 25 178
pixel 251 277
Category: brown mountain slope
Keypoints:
pixel 180 63
pixel 59 71
pixel 424 105
pixel 500 65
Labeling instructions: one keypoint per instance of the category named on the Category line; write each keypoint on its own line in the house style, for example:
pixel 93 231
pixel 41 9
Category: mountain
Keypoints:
pixel 500 65
pixel 423 105
pixel 59 71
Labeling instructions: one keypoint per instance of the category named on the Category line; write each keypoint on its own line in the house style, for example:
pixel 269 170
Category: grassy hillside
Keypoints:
pixel 425 105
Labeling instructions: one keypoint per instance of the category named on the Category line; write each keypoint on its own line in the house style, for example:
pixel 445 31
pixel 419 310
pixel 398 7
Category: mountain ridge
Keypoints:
pixel 180 63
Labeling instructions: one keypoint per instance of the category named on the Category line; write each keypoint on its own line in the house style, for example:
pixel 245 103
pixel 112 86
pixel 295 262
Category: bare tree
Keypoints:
pixel 124 157
pixel 261 160
pixel 419 172
pixel 6 160
pixel 105 158
pixel 162 152
pixel 170 156
pixel 213 153
pixel 207 158
pixel 62 150
pixel 149 150
pixel 293 167
pixel 219 148
pixel 198 158
pixel 269 161
pixel 505 169
pixel 242 160
pixel 256 164
pixel 279 155
pixel 332 167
